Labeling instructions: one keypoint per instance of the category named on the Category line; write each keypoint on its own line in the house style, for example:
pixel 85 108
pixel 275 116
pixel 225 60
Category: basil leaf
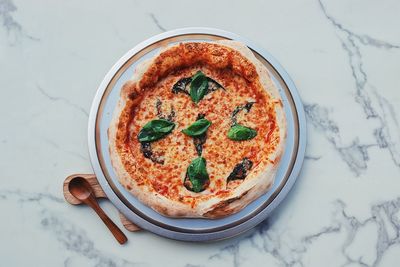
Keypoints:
pixel 181 86
pixel 148 152
pixel 198 87
pixel 213 85
pixel 200 140
pixel 155 129
pixel 239 133
pixel 197 128
pixel 240 170
pixel 197 178
pixel 238 109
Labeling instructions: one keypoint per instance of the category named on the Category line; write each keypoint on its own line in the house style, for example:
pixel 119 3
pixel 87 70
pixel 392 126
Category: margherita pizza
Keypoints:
pixel 199 130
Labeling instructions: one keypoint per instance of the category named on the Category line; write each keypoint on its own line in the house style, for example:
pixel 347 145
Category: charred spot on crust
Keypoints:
pixel 132 95
pixel 147 151
pixel 182 86
pixel 169 117
pixel 240 171
pixel 220 209
pixel 247 107
pixel 200 140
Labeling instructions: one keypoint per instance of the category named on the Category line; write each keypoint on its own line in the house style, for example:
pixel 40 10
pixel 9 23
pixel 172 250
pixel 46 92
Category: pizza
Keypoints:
pixel 199 130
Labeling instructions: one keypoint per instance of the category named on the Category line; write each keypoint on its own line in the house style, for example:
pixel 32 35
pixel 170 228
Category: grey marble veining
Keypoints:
pixel 71 237
pixel 155 20
pixel 383 218
pixel 375 106
pixel 344 57
pixel 62 99
pixel 355 155
pixel 13 28
pixel 6 9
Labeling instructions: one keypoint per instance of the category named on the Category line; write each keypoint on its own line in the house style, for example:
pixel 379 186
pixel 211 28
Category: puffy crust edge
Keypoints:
pixel 213 208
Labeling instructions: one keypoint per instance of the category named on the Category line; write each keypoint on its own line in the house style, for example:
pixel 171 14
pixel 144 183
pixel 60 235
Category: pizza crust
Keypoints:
pixel 241 196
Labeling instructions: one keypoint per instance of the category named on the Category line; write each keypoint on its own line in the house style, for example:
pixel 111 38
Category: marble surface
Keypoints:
pixel 344 57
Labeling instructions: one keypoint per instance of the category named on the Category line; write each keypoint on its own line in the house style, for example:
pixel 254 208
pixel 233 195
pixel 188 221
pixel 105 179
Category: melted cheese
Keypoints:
pixel 221 153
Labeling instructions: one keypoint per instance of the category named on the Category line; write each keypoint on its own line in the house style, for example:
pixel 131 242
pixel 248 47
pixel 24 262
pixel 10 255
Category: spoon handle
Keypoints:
pixel 118 234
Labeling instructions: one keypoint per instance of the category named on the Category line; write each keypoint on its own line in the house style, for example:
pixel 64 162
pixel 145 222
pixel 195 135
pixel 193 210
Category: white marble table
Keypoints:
pixel 344 57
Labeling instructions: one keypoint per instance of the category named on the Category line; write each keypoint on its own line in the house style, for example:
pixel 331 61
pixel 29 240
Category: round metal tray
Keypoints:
pixel 193 229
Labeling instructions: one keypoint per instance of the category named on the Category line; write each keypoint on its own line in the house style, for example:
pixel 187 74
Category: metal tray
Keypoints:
pixel 193 229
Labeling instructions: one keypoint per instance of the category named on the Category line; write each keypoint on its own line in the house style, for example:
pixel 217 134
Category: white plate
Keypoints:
pixel 193 229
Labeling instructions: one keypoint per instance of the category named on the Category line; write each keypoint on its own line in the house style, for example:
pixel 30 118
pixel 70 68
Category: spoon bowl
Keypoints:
pixel 80 188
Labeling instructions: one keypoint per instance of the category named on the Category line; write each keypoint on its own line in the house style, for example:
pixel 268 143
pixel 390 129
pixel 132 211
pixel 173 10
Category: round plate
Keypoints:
pixel 101 112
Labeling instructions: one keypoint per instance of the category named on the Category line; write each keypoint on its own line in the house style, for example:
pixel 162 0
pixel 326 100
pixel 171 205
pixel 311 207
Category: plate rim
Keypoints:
pixel 190 236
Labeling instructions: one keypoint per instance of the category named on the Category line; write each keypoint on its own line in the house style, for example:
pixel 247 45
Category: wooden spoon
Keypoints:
pixel 81 189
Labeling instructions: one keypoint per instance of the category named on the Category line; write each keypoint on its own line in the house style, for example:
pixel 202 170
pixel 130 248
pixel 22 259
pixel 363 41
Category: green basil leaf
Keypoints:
pixel 239 133
pixel 198 87
pixel 155 129
pixel 200 140
pixel 197 128
pixel 197 178
pixel 198 74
